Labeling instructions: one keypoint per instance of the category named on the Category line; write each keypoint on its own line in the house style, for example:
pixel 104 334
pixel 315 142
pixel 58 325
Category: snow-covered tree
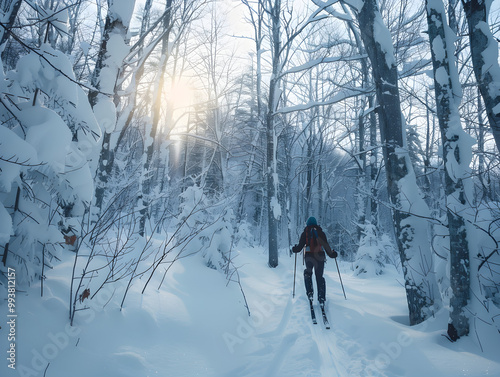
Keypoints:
pixel 271 174
pixel 49 134
pixel 409 209
pixel 484 55
pixel 110 60
pixel 457 145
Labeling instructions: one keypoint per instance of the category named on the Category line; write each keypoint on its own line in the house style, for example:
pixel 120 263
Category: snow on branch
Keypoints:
pixel 42 55
pixel 312 63
pixel 335 99
pixel 57 18
pixel 327 6
pixel 16 161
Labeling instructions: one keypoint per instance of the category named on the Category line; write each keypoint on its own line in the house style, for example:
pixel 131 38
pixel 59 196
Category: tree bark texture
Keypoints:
pixel 420 286
pixel 487 71
pixel 452 135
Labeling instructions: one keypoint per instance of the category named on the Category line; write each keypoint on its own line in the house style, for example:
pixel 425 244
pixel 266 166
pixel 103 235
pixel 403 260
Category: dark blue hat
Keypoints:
pixel 311 221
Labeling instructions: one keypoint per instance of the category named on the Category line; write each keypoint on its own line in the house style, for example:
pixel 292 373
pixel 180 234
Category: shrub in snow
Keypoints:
pixel 244 234
pixel 218 251
pixel 371 257
pixel 206 226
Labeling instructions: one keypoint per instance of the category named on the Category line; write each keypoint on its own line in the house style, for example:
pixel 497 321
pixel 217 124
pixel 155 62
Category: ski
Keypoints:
pixel 325 320
pixel 313 315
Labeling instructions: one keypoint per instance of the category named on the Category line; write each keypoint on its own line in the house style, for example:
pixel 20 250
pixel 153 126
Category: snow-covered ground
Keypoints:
pixel 197 325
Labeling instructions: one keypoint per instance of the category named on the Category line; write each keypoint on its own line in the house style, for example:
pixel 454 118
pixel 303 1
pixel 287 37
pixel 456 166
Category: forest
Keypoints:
pixel 138 133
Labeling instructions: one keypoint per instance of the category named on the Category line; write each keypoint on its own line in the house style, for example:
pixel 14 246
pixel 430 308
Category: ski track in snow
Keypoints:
pixel 284 348
pixel 323 339
pixel 297 347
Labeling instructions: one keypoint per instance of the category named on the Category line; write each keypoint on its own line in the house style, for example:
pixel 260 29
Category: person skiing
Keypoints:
pixel 314 240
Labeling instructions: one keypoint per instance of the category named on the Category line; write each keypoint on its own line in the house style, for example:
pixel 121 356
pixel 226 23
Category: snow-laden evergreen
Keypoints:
pixel 49 134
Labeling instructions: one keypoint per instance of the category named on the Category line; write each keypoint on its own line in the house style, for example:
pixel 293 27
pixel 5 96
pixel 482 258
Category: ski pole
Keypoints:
pixel 340 277
pixel 294 272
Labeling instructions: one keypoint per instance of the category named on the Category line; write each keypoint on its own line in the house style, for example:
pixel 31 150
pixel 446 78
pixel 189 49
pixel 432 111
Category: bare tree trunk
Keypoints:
pixel 454 139
pixel 485 184
pixel 365 209
pixel 271 165
pixel 362 180
pixel 147 179
pixel 484 51
pixel 373 167
pixel 256 18
pixel 8 14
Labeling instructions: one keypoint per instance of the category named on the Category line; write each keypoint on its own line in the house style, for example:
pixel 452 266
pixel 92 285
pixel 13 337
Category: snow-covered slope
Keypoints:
pixel 197 325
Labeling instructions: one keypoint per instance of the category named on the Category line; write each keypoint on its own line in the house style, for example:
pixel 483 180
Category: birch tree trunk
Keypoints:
pixel 456 159
pixel 484 51
pixel 104 79
pixel 409 208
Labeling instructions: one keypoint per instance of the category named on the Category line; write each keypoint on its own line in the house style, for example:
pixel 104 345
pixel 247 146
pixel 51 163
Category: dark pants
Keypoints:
pixel 318 265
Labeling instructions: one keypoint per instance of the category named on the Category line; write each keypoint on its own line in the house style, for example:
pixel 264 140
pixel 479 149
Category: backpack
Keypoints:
pixel 313 244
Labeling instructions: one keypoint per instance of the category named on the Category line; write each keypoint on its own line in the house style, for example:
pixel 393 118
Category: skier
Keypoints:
pixel 314 240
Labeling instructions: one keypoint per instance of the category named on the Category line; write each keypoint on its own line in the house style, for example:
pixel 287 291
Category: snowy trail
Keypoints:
pixel 293 344
pixel 197 325
pixel 346 352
